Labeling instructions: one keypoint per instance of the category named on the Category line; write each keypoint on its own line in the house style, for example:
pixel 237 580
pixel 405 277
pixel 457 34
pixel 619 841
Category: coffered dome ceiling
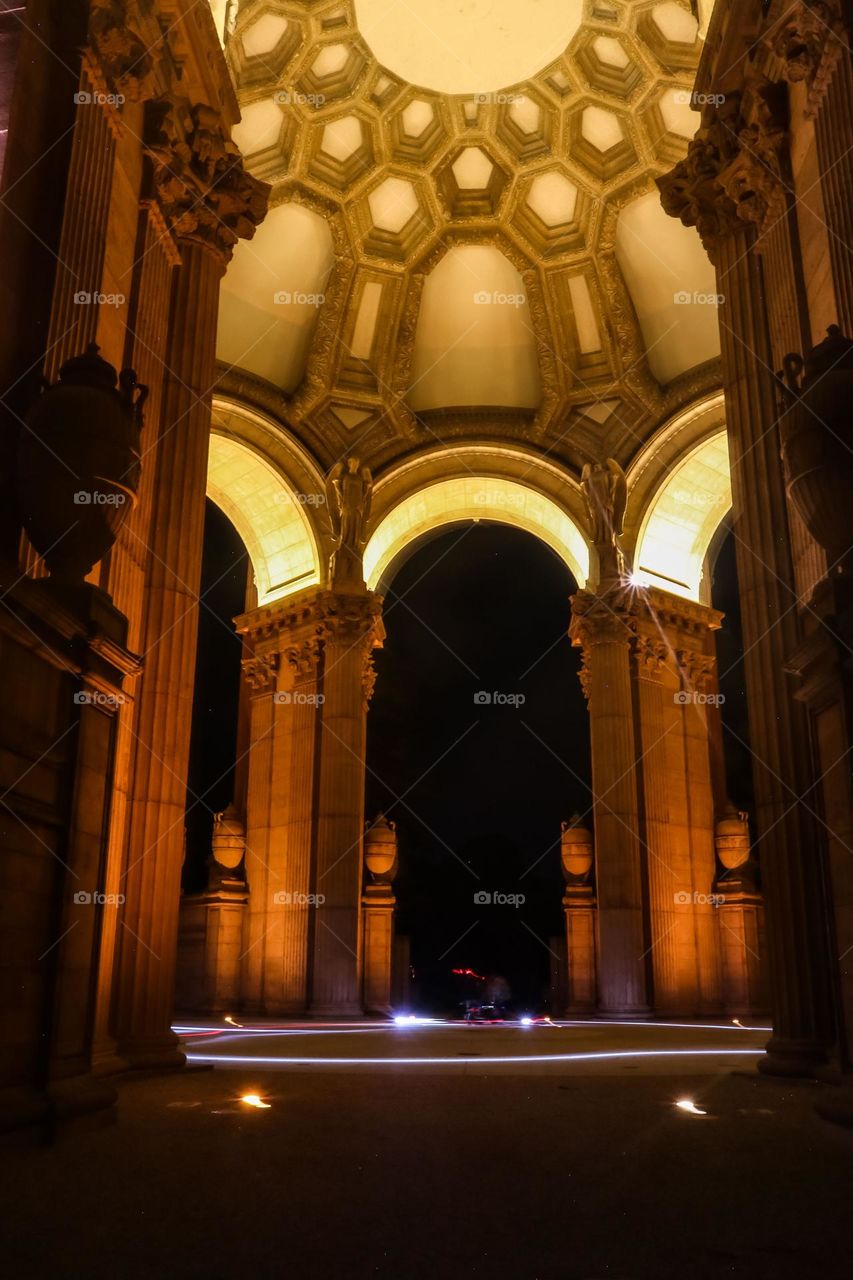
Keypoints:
pixel 465 236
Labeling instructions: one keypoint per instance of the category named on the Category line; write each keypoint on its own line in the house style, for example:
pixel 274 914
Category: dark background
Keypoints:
pixel 477 791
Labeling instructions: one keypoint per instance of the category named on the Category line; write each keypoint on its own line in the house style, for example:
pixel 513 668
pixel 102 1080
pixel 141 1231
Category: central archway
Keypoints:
pixel 427 511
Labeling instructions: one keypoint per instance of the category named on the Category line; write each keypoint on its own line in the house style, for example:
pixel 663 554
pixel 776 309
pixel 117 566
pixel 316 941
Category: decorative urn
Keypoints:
pixel 380 850
pixel 576 850
pixel 732 839
pixel 79 463
pixel 816 426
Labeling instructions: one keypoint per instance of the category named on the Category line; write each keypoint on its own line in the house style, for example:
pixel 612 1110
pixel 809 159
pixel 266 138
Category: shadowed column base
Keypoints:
pixel 161 1052
pixel 800 1059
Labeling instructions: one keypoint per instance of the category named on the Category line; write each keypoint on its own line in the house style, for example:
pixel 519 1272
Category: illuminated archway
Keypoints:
pixel 470 497
pixel 682 518
pixel 267 514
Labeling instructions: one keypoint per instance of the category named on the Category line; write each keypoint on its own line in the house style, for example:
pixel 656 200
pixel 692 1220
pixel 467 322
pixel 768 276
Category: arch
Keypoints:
pixel 269 516
pixel 472 497
pixel 682 518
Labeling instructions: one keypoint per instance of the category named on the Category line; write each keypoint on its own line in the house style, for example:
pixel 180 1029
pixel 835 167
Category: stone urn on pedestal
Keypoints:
pixel 79 464
pixel 577 852
pixel 378 904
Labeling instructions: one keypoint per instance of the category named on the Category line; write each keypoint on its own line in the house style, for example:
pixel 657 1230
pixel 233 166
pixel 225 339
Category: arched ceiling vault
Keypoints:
pixel 582 320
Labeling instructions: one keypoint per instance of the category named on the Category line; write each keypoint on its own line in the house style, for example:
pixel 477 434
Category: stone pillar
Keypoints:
pixel 740 912
pixel 718 190
pixel 378 905
pixel 577 852
pixel 209 202
pixel 601 627
pixel 351 629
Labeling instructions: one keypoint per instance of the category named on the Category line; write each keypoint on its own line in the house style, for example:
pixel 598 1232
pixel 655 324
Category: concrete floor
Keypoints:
pixel 580 1170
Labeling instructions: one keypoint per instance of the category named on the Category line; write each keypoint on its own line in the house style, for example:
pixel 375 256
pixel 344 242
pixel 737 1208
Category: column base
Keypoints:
pixel 797 1059
pixel 351 1012
pixel 158 1052
pixel 641 1012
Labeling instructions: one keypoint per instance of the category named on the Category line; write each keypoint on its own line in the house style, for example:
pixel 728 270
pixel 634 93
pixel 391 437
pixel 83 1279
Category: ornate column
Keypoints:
pixel 699 191
pixel 601 626
pixel 579 907
pixel 209 202
pixel 351 628
pixel 378 905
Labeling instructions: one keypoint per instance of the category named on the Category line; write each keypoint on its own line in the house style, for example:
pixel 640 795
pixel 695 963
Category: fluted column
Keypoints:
pixel 602 629
pixel 666 827
pixel 260 677
pixel 351 630
pixel 787 839
pixel 156 829
pixel 730 187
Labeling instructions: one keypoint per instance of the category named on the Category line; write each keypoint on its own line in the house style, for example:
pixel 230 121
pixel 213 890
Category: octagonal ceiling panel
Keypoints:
pixel 417 121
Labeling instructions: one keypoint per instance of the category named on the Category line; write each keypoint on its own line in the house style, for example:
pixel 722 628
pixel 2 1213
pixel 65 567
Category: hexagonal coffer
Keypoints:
pixel 393 218
pixel 471 183
pixel 553 213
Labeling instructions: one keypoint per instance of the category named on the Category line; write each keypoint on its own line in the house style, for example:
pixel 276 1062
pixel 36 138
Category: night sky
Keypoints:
pixel 478 791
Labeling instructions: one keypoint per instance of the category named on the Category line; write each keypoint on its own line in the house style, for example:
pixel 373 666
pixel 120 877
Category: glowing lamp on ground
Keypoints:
pixel 255 1100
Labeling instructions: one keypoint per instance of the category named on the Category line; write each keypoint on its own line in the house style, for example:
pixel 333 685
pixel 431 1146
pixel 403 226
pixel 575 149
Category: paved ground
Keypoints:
pixel 583 1170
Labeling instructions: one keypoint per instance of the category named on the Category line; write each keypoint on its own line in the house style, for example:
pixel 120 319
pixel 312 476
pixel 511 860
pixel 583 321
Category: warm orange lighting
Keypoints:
pixel 255 1100
pixel 228 1018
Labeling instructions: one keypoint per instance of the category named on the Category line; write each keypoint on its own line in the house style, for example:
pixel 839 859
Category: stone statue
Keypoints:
pixel 606 493
pixel 348 491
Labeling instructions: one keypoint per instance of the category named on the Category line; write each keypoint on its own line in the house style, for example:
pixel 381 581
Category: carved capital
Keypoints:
pixel 651 654
pixel 696 670
pixel 733 173
pixel 261 672
pixel 199 178
pixel 809 39
pixel 304 658
pixel 126 61
pixel 600 619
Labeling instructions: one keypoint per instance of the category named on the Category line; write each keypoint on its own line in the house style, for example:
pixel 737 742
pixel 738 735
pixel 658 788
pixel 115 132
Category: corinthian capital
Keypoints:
pixel 733 173
pixel 125 60
pixel 201 183
pixel 810 38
